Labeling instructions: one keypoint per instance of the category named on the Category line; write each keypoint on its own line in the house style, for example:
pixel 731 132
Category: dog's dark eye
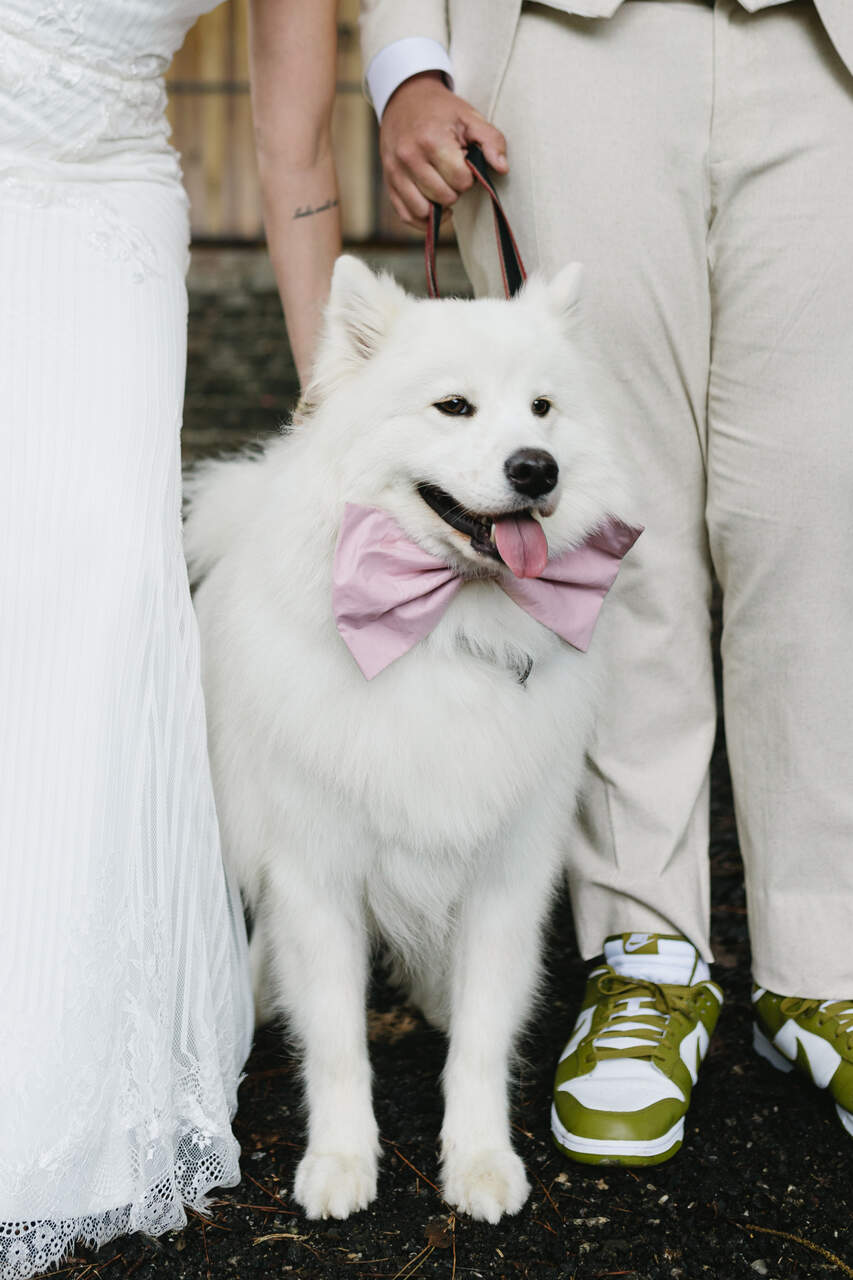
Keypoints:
pixel 541 406
pixel 455 406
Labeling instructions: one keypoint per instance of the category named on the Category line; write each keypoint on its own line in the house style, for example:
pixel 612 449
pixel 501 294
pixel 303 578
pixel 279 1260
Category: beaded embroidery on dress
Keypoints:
pixel 125 1008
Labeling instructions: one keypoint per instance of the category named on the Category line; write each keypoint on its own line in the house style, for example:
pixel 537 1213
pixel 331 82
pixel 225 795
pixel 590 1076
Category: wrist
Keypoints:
pixel 402 60
pixel 424 82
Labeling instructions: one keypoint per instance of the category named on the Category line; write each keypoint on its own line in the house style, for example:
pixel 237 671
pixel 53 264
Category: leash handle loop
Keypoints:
pixel 512 267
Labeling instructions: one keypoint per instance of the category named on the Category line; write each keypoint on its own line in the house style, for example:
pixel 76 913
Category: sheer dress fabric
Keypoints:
pixel 125 1009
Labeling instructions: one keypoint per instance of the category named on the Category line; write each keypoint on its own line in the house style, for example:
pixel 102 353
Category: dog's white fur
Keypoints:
pixel 428 807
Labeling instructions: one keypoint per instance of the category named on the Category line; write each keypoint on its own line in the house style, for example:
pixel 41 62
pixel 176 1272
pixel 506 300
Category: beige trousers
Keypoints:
pixel 699 160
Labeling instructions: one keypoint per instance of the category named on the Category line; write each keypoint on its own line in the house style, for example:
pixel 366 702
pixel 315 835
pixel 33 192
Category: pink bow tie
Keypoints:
pixel 388 593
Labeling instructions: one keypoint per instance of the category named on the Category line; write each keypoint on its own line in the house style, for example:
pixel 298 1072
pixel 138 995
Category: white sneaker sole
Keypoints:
pixel 604 1147
pixel 771 1054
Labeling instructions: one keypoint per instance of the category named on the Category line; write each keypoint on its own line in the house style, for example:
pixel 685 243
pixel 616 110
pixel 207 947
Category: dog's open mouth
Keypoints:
pixel 514 537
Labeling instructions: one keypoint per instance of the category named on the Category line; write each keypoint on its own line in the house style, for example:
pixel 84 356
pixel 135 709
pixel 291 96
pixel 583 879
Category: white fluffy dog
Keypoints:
pixel 426 808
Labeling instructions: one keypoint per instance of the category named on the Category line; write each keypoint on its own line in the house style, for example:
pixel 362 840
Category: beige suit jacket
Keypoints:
pixel 479 33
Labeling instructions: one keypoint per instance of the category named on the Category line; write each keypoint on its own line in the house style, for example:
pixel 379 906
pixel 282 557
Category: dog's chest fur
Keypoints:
pixel 441 749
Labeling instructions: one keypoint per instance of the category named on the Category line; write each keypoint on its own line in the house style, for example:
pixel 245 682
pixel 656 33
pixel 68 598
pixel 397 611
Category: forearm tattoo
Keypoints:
pixel 306 211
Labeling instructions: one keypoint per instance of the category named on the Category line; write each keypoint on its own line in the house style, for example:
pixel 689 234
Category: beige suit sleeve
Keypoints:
pixel 384 21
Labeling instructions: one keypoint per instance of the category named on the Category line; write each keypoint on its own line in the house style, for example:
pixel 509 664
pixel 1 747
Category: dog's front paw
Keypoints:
pixel 335 1184
pixel 486 1184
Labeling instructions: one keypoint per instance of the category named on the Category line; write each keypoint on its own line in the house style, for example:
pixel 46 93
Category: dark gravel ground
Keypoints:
pixel 762 1187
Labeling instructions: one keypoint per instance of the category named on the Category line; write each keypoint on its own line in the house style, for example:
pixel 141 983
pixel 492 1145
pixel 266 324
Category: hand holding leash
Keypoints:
pixel 512 267
pixel 422 139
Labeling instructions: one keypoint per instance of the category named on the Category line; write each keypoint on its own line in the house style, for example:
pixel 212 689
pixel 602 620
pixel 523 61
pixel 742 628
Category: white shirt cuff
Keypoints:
pixel 399 61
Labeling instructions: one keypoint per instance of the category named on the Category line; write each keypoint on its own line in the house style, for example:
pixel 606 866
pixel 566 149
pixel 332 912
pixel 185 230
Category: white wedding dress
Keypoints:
pixel 125 1009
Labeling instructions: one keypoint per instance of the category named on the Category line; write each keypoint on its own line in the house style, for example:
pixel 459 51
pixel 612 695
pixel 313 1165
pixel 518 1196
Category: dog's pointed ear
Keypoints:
pixel 565 290
pixel 361 307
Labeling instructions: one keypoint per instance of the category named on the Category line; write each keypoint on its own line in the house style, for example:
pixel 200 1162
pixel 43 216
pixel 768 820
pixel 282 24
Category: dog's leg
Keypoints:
pixel 319 952
pixel 496 965
pixel 259 967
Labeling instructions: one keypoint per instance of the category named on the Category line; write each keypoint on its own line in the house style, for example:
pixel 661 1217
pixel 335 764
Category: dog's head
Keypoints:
pixel 470 422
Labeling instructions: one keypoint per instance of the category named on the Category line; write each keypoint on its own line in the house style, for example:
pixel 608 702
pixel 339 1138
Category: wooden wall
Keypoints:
pixel 212 128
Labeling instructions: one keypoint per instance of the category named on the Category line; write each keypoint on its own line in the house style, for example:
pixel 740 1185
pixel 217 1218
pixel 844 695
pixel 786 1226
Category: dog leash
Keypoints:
pixel 512 268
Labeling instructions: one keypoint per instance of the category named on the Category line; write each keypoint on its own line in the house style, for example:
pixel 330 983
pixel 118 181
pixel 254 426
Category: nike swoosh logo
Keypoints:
pixel 636 941
pixel 582 1027
pixel 812 1052
pixel 693 1048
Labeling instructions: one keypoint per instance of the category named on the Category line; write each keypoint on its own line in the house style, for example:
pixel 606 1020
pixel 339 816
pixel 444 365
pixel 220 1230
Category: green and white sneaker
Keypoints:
pixel 816 1036
pixel 624 1079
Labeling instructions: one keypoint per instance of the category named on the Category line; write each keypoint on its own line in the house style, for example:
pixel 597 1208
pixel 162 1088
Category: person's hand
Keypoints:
pixel 425 129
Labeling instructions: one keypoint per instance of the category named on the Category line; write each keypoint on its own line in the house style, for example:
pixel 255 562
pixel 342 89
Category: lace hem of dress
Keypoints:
pixel 201 1163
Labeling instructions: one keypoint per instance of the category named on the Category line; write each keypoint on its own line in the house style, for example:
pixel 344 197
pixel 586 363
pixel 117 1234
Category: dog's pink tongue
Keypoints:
pixel 522 545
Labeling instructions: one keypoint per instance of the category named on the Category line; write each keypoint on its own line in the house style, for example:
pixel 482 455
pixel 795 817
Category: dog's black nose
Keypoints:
pixel 532 471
